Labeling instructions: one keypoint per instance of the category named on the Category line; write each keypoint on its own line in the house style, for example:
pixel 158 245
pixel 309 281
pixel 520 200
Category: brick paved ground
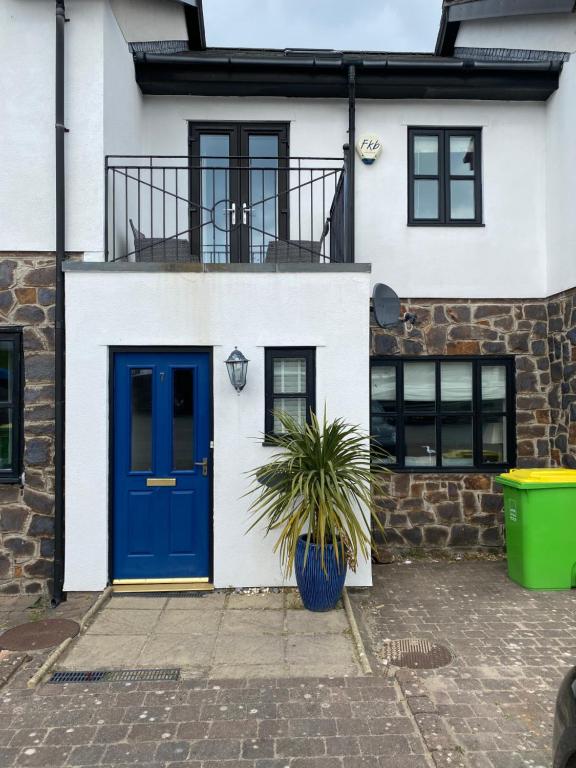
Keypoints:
pixel 302 723
pixel 492 708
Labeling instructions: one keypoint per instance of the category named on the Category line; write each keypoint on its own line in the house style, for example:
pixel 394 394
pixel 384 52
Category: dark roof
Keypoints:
pixel 456 11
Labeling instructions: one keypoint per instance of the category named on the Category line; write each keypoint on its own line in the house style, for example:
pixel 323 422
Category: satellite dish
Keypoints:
pixel 386 305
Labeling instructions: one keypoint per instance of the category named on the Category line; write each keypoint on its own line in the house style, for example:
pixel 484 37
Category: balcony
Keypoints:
pixel 222 210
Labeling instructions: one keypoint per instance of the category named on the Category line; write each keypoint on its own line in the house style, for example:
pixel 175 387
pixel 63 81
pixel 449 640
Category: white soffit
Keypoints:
pixel 150 20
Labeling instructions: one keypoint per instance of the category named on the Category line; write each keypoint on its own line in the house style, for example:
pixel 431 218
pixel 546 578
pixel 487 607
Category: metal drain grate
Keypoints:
pixel 415 654
pixel 116 676
pixel 125 595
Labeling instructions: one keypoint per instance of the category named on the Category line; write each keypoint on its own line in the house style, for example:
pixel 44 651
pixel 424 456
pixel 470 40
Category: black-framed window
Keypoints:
pixel 290 385
pixel 445 177
pixel 444 413
pixel 10 405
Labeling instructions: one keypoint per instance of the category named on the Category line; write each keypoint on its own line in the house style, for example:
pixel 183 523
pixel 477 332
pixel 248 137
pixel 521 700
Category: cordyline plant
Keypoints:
pixel 320 484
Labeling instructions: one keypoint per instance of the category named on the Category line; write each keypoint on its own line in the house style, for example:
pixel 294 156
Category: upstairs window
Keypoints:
pixel 444 177
pixel 290 384
pixel 10 405
pixel 444 414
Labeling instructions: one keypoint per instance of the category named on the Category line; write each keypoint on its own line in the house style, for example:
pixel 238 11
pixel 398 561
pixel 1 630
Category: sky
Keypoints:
pixel 380 25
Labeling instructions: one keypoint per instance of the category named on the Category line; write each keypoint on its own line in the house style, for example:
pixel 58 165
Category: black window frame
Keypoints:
pixel 16 405
pixel 272 353
pixel 444 177
pixel 476 414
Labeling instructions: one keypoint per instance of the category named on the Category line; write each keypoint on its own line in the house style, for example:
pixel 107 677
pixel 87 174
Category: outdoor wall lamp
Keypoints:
pixel 237 366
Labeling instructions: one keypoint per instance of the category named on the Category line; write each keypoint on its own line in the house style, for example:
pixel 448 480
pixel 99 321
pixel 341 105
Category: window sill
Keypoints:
pixel 450 224
pixel 444 470
pixel 11 480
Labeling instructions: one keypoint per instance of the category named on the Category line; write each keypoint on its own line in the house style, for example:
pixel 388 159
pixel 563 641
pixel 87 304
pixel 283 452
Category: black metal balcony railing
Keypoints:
pixel 226 209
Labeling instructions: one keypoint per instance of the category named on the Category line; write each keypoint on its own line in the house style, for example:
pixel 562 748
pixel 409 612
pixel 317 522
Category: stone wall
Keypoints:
pixel 27 297
pixel 465 509
pixel 562 352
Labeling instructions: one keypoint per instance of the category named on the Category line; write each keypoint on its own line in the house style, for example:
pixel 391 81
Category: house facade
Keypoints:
pixel 220 198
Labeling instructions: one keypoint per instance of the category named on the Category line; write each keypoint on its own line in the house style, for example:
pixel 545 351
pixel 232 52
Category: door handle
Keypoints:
pixel 246 211
pixel 232 210
pixel 204 465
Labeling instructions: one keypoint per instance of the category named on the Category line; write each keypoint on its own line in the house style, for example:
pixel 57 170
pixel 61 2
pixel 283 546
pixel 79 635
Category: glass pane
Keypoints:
pixel 289 375
pixel 263 217
pixel 384 433
pixel 456 386
pixel 5 438
pixel 420 386
pixel 426 155
pixel 425 199
pixel 215 194
pixel 462 200
pixel 293 406
pixel 457 450
pixel 6 370
pixel 494 440
pixel 141 421
pixel 183 419
pixel 383 388
pixel 493 388
pixel 420 439
pixel 462 158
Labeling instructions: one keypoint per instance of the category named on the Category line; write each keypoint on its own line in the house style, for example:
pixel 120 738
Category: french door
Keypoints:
pixel 239 190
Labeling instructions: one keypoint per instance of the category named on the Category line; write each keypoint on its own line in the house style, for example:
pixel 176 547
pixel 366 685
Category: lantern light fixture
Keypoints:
pixel 237 366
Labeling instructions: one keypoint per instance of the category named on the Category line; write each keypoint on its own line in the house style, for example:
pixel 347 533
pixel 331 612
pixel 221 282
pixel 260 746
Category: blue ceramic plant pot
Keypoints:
pixel 320 590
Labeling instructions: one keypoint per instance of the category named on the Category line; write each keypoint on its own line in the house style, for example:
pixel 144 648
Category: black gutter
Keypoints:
pixel 351 157
pixel 317 62
pixel 58 594
pixel 388 77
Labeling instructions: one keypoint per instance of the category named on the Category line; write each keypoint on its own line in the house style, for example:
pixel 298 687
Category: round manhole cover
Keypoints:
pixel 415 654
pixel 38 634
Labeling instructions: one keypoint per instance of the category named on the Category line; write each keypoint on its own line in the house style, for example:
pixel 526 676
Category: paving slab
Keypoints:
pixel 252 622
pixel 93 652
pixel 182 622
pixel 250 649
pixel 127 622
pixel 176 651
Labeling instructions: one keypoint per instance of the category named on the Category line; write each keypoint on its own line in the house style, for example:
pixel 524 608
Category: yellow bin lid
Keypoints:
pixel 540 476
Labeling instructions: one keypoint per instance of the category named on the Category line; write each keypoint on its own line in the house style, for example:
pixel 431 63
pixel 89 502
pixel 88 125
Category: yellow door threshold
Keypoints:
pixel 162 585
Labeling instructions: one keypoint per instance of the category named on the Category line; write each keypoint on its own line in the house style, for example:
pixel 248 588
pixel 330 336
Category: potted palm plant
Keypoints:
pixel 316 495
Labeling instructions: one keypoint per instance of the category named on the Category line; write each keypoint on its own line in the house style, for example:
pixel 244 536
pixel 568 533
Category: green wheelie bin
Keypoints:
pixel 540 520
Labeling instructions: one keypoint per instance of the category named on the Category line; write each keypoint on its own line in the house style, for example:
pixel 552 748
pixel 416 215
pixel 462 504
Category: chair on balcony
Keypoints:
pixel 159 249
pixel 294 252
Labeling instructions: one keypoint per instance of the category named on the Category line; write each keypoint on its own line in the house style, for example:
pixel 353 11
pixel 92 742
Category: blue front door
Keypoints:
pixel 162 407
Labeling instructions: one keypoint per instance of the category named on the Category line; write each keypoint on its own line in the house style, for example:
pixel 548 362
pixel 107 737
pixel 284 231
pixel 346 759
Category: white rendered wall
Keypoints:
pixel 101 112
pixel 326 311
pixel 26 125
pixel 561 183
pixel 506 258
pixel 542 32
